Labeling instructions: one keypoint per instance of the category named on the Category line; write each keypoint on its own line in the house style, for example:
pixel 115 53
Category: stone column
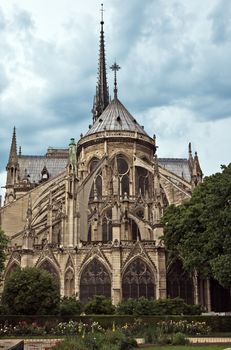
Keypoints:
pixel 161 288
pixel 116 274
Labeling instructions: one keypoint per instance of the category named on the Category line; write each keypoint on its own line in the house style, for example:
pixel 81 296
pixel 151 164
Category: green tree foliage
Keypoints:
pixel 30 291
pixel 3 244
pixel 99 304
pixel 199 231
pixel 70 306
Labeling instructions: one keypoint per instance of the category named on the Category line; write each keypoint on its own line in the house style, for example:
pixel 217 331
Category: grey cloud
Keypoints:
pixel 22 20
pixel 3 80
pixel 221 22
pixel 163 65
pixel 2 21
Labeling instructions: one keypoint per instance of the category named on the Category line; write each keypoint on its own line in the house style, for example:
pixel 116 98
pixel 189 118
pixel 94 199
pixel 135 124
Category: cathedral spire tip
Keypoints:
pixel 101 100
pixel 13 148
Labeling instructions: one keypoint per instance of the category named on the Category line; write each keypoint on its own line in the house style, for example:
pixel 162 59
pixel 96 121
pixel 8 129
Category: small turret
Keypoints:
pixel 197 174
pixel 12 169
pixel 195 169
pixel 72 158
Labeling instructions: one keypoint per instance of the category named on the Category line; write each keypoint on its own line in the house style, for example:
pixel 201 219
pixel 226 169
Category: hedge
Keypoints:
pixel 217 323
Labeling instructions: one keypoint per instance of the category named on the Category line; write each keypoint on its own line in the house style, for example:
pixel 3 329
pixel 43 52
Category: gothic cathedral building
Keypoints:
pixel 90 214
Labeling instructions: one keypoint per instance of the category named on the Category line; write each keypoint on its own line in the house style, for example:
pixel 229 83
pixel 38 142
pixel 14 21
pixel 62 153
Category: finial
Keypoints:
pixel 115 67
pixel 189 147
pixel 102 11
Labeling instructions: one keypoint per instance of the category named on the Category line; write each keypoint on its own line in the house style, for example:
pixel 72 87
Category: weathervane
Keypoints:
pixel 115 67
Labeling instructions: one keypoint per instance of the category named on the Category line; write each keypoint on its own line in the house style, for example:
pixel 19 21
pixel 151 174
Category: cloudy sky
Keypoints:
pixel 175 77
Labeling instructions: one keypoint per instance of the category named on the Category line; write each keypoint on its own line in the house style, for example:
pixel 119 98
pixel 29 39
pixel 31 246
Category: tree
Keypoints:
pixel 3 245
pixel 199 231
pixel 30 291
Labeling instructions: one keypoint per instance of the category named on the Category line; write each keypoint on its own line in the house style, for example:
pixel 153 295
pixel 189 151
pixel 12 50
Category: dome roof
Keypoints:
pixel 115 117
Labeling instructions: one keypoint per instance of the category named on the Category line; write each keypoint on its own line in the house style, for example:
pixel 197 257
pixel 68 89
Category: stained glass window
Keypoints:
pixel 138 281
pixel 95 280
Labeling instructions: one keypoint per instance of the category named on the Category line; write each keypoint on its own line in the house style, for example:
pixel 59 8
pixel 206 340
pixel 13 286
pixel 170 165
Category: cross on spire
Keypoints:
pixel 115 68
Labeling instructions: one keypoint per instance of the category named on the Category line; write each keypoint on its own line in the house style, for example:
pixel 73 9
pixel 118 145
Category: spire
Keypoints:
pixel 13 158
pixel 115 67
pixel 101 99
pixel 190 157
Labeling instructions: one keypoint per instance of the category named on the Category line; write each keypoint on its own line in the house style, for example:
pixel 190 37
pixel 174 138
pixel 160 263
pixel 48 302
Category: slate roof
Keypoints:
pixel 56 165
pixel 116 117
pixel 35 164
pixel 178 166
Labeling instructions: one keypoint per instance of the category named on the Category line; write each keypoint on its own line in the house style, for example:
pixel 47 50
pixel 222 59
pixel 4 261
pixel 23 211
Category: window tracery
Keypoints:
pixel 142 181
pixel 179 283
pixel 138 281
pixel 95 280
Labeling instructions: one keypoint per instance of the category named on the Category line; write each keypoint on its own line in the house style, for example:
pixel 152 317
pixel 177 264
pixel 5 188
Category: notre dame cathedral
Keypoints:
pixel 90 214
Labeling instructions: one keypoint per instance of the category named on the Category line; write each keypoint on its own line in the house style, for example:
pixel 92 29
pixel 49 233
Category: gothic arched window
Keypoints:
pixel 123 171
pixel 138 281
pixel 95 280
pixel 46 265
pixel 179 283
pixel 93 163
pixel 142 181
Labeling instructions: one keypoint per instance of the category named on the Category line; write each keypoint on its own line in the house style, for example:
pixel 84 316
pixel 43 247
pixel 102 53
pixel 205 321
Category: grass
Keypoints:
pixel 189 347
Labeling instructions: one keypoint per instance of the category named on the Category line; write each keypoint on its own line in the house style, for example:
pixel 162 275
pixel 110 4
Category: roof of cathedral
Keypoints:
pixel 33 166
pixel 116 118
pixel 178 166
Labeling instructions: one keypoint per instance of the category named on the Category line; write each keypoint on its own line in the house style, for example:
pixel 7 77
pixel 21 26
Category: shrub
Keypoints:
pixel 30 291
pixel 99 304
pixel 143 306
pixel 126 307
pixel 179 339
pixel 70 306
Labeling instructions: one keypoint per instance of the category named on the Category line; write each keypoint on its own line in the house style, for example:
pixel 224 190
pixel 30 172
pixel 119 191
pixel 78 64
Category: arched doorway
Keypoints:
pixel 95 280
pixel 138 281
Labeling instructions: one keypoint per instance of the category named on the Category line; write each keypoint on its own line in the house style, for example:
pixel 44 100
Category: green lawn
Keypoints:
pixel 190 347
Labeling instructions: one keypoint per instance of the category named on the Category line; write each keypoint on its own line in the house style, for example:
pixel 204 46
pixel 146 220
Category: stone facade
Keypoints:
pixel 90 214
